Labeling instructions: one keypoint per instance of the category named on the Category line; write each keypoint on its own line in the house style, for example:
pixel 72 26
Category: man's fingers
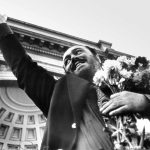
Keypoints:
pixel 105 106
pixel 114 95
pixel 119 110
pixel 110 106
pixel 3 18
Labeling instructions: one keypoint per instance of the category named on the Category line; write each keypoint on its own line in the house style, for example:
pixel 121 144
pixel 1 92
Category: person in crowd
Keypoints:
pixel 74 121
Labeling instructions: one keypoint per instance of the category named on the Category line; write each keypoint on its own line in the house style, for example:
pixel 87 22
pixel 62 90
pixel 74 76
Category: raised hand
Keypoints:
pixel 3 18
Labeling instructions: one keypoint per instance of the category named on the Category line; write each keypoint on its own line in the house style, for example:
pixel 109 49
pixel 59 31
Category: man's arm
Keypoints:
pixel 35 80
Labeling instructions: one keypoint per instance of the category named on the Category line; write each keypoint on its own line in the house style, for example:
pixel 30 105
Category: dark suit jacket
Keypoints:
pixel 61 101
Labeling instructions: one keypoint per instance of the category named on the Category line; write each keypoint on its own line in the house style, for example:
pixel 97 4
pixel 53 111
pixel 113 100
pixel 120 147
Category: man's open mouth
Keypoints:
pixel 77 63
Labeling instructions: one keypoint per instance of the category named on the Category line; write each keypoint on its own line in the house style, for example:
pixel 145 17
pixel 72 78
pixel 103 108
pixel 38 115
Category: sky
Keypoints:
pixel 124 23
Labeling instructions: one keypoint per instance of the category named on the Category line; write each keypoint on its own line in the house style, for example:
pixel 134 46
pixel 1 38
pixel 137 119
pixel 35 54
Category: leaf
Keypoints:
pixel 142 138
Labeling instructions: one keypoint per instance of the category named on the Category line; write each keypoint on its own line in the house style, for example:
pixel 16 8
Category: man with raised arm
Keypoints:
pixel 74 121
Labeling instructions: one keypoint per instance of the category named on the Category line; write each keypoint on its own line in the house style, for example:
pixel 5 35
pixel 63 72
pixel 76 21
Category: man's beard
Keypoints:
pixel 87 73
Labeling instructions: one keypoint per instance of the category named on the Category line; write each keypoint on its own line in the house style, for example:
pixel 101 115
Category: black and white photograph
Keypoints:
pixel 74 75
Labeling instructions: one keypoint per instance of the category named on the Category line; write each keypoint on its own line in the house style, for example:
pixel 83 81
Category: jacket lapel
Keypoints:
pixel 77 90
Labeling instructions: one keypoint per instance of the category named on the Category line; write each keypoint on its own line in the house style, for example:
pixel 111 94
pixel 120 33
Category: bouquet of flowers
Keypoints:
pixel 130 74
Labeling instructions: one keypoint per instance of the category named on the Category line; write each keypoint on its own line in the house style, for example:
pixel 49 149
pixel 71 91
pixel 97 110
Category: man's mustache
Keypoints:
pixel 74 62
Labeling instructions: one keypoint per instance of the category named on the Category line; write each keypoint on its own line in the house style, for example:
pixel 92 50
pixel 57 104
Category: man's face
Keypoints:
pixel 80 61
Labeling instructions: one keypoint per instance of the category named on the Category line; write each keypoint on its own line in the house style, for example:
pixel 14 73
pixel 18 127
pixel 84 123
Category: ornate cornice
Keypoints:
pixel 113 54
pixel 50 39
